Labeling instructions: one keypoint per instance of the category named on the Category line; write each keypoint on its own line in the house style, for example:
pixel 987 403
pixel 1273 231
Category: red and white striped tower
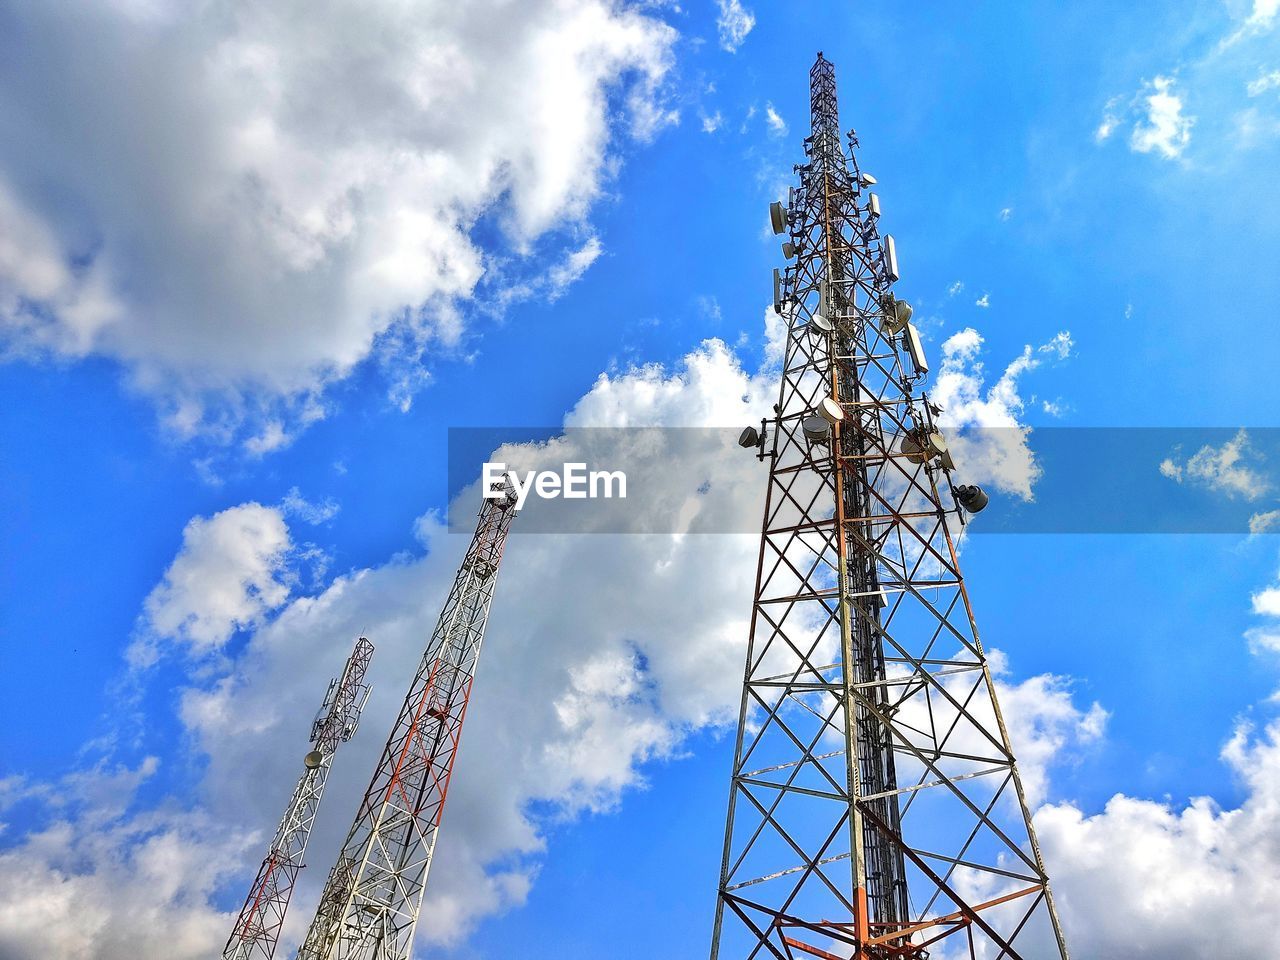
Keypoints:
pixel 370 903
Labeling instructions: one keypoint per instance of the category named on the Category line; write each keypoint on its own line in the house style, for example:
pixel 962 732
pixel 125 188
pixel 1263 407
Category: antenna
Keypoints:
pixel 370 903
pixel 875 808
pixel 257 929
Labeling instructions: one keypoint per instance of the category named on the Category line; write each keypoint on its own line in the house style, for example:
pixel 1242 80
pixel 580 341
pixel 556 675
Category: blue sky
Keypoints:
pixel 203 307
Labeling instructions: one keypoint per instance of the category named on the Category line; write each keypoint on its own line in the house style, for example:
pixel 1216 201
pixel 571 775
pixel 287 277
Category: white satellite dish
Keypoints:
pixel 897 313
pixel 830 410
pixel 819 324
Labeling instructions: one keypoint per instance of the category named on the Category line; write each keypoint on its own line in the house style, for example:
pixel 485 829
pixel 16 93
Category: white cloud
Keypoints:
pixel 1261 19
pixel 955 288
pixel 1264 13
pixel 1223 469
pixel 246 200
pixel 1267 602
pixel 1045 724
pixel 997 452
pixel 1156 115
pixel 231 571
pixel 1160 868
pixel 1264 522
pixel 777 125
pixel 733 24
pixel 1265 82
pixel 1006 213
pixel 564 275
pixel 983 301
pixel 96 881
pixel 1060 346
pixel 1163 128
pixel 294 504
pixel 712 123
pixel 33 271
pixel 1109 121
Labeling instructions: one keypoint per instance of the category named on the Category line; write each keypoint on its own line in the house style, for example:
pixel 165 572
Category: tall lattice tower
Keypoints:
pixel 875 808
pixel 370 902
pixel 257 929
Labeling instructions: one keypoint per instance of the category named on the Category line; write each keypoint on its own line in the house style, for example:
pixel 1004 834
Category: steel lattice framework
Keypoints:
pixel 875 809
pixel 257 929
pixel 371 899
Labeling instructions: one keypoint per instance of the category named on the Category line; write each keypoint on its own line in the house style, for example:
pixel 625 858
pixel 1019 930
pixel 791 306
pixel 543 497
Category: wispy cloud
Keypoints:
pixel 983 301
pixel 1264 522
pixel 294 504
pixel 1005 214
pixel 733 24
pixel 1262 17
pixel 1054 408
pixel 1225 469
pixel 712 123
pixel 1110 120
pixel 1265 82
pixel 776 124
pixel 1061 345
pixel 955 288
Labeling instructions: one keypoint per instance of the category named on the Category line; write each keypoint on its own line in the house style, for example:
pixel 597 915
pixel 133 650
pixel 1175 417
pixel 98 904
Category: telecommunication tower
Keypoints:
pixel 257 929
pixel 875 809
pixel 371 899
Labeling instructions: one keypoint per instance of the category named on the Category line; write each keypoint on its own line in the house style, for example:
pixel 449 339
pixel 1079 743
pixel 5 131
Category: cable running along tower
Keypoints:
pixel 875 809
pixel 257 929
pixel 369 906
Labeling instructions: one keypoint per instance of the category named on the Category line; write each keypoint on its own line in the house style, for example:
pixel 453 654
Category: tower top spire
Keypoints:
pixel 823 109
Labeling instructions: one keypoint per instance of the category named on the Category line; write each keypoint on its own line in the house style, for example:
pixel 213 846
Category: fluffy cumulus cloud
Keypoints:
pixel 232 570
pixel 1152 879
pixel 577 700
pixel 93 880
pixel 1140 876
pixel 988 439
pixel 240 202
